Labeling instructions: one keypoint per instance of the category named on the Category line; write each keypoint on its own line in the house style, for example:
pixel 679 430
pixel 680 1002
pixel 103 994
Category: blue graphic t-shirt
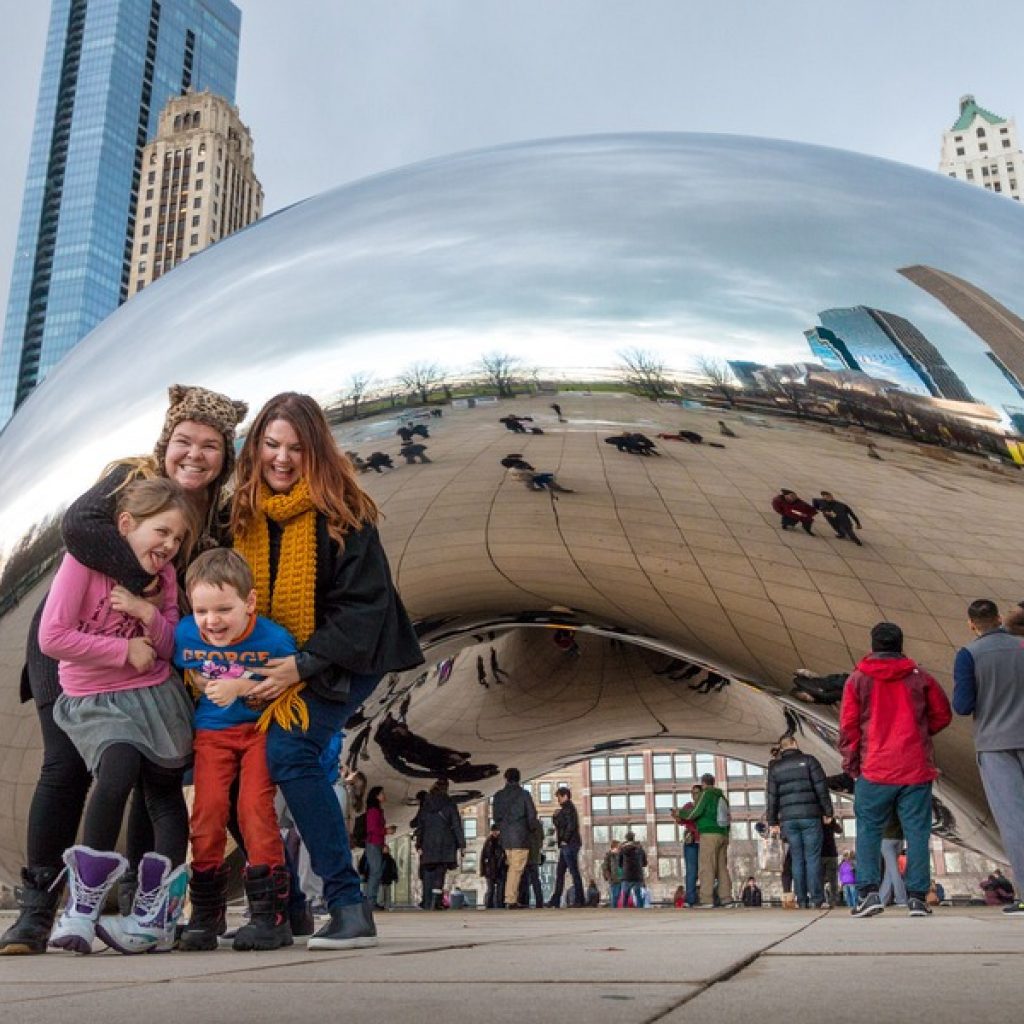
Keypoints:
pixel 256 647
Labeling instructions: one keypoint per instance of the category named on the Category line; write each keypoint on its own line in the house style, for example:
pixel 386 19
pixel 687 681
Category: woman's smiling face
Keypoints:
pixel 281 456
pixel 195 455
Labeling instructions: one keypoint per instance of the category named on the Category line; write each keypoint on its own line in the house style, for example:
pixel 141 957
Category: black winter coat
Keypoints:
pixel 632 860
pixel 797 788
pixel 515 814
pixel 493 859
pixel 567 824
pixel 361 624
pixel 439 835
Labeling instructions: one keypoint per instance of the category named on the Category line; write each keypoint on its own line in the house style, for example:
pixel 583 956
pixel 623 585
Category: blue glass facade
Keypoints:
pixel 109 67
pixel 830 350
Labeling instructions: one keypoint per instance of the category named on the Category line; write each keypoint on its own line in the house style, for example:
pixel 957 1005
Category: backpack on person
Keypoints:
pixel 358 837
pixel 723 816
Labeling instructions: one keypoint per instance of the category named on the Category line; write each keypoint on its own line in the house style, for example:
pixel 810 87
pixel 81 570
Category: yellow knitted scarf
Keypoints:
pixel 294 598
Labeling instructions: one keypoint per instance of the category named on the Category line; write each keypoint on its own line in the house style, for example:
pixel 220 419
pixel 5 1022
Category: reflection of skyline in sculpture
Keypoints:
pixel 886 346
pixel 1000 328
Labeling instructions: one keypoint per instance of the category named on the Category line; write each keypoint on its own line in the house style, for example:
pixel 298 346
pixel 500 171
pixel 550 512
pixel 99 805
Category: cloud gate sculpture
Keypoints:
pixel 659 602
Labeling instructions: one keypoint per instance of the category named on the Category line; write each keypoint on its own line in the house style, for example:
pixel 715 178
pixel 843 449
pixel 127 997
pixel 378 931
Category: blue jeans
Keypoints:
pixel 633 889
pixel 850 895
pixel 374 869
pixel 293 757
pixel 569 857
pixel 873 804
pixel 614 891
pixel 691 858
pixel 805 836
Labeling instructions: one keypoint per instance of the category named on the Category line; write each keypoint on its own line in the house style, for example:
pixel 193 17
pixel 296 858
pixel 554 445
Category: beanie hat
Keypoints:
pixel 201 406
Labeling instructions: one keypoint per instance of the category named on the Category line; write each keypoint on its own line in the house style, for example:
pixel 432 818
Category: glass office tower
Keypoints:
pixel 109 68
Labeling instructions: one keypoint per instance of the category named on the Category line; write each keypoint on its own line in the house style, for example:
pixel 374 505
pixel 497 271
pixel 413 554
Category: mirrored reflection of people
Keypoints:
pixel 493 869
pixel 195 449
pixel 440 841
pixel 558 412
pixel 988 677
pixel 414 452
pixel 714 841
pixel 567 834
pixel 416 757
pixel 516 817
pixel 998 890
pixel 751 895
pixel 309 533
pixel 891 710
pixel 691 844
pixel 794 511
pixel 839 516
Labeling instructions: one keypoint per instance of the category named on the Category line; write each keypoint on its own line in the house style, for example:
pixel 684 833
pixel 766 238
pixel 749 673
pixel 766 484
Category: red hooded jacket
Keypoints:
pixel 891 710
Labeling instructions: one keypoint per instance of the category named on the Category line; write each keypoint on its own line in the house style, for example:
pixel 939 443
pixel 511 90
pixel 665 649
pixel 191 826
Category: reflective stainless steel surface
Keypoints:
pixel 694 250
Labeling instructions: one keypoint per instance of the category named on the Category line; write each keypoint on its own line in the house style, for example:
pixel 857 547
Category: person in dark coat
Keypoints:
pixel 567 831
pixel 839 516
pixel 830 862
pixel 751 894
pixel 404 432
pixel 379 461
pixel 420 430
pixel 494 868
pixel 439 841
pixel 531 873
pixel 413 453
pixel 799 800
pixel 793 510
pixel 632 861
pixel 515 814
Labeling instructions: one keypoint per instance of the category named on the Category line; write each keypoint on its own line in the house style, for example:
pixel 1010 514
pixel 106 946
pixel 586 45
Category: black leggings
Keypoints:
pixel 59 798
pixel 121 769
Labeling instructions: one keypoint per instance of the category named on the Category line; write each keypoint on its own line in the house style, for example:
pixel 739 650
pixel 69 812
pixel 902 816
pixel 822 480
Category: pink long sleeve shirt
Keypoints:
pixel 90 639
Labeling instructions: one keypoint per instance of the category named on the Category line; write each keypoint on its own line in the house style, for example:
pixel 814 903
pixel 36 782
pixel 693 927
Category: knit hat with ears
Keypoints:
pixel 202 406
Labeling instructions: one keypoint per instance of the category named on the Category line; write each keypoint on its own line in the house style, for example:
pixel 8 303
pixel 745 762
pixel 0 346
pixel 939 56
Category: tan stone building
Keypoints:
pixel 198 185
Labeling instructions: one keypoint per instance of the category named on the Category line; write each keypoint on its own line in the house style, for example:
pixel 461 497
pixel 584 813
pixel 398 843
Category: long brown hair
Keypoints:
pixel 143 499
pixel 329 473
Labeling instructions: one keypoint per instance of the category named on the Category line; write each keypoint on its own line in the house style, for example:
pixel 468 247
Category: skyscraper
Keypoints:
pixel 890 347
pixel 198 185
pixel 109 66
pixel 1000 328
pixel 981 147
pixel 830 349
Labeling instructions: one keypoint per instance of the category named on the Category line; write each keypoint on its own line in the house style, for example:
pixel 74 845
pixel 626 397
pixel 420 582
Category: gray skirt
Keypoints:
pixel 156 720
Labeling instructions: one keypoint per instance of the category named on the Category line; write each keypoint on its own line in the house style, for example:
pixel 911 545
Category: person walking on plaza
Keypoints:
pixel 493 868
pixel 632 863
pixel 793 510
pixel 567 832
pixel 711 816
pixel 515 815
pixel 414 452
pixel 848 879
pixel 799 803
pixel 891 709
pixel 611 872
pixel 839 516
pixel 691 844
pixel 439 839
pixel 988 679
pixel 377 831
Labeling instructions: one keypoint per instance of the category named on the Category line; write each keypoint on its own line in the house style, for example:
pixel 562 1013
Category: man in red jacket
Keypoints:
pixel 891 710
pixel 793 509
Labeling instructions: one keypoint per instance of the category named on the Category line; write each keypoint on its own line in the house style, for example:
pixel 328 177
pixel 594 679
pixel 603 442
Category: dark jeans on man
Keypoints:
pixel 830 879
pixel 293 756
pixel 691 859
pixel 873 805
pixel 805 836
pixel 495 896
pixel 568 858
pixel 530 882
pixel 789 521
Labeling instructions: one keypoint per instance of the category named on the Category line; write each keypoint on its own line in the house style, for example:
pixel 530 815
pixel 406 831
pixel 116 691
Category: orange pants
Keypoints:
pixel 221 755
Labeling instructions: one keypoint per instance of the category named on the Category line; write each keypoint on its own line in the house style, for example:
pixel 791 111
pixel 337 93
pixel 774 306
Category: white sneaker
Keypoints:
pixel 91 875
pixel 159 900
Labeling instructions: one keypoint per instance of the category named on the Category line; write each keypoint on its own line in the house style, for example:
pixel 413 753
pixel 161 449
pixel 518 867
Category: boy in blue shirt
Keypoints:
pixel 220 647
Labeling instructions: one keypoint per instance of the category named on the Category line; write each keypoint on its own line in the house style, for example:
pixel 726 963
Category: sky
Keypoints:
pixel 334 90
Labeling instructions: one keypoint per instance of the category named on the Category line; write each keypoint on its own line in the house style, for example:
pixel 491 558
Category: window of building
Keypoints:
pixel 637 802
pixel 1006 143
pixel 665 832
pixel 984 172
pixel 144 248
pixel 142 266
pixel 640 831
pixel 145 229
pixel 616 769
pixel 469 828
pixel 958 138
pixel 754 770
pixel 959 150
pixel 469 862
pixel 618 803
pixel 970 174
pixel 545 792
pixel 996 187
pixel 1013 183
pixel 598 769
pixel 740 830
pixel 684 766
pixel 954 862
pixel 737 798
pixel 661 765
pixel 200 167
pixel 599 804
pixel 151 179
pixel 668 867
pixel 216 189
pixel 635 768
pixel 600 833
pixel 197 203
pixel 140 286
pixel 193 240
pixel 147 211
pixel 527 786
pixel 755 797
pixel 983 146
pixel 704 764
pixel 199 184
pixel 980 133
pixel 664 802
pixel 1003 130
pixel 849 828
pixel 1009 165
pixel 619 832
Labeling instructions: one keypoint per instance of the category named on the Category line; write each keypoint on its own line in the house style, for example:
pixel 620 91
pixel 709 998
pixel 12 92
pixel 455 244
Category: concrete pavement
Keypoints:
pixel 592 966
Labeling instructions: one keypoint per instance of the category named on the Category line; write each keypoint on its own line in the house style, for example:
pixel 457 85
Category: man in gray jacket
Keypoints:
pixel 988 677
pixel 516 816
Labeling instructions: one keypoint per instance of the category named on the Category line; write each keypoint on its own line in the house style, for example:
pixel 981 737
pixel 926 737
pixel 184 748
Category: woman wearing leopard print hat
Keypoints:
pixel 196 450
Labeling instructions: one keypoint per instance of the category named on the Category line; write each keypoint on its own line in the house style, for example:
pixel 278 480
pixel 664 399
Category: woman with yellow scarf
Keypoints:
pixel 309 534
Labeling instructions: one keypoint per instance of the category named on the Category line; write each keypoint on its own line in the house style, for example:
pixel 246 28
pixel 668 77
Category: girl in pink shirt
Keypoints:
pixel 129 717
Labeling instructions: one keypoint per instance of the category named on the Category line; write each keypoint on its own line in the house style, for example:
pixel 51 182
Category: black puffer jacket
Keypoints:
pixel 515 815
pixel 797 788
pixel 439 835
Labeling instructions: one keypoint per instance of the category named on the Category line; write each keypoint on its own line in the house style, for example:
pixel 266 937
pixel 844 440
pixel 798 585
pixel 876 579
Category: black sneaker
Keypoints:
pixel 1014 908
pixel 868 906
pixel 350 927
pixel 917 907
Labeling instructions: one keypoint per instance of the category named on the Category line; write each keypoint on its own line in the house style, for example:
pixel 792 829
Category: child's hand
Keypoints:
pixel 141 655
pixel 224 692
pixel 124 601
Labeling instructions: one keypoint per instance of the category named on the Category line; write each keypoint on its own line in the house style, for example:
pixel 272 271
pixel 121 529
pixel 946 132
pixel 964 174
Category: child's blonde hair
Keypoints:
pixel 143 499
pixel 220 567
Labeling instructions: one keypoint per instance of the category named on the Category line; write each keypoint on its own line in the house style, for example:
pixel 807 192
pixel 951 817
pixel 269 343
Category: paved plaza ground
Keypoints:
pixel 587 966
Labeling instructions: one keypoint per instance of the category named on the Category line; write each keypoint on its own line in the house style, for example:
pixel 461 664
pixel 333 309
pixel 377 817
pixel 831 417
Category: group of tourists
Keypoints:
pixel 793 511
pixel 277 610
